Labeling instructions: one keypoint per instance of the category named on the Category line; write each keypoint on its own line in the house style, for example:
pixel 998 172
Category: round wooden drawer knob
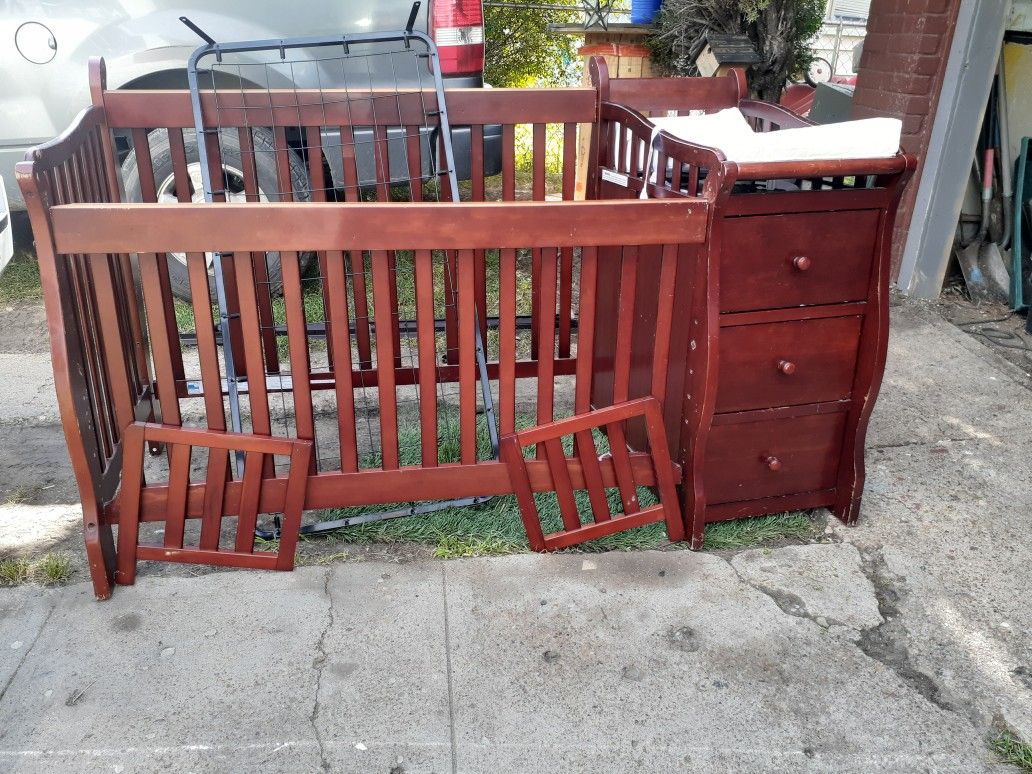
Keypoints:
pixel 787 367
pixel 801 263
pixel 773 464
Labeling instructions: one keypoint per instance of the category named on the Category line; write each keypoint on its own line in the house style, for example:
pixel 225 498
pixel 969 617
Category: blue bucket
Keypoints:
pixel 644 11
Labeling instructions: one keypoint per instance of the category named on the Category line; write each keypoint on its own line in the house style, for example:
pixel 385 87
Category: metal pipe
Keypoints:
pixel 1006 163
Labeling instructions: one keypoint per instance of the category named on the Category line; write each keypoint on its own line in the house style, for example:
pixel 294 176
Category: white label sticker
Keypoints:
pixel 614 177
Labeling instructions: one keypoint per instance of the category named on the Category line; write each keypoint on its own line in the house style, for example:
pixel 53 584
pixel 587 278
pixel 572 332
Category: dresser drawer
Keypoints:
pixel 786 363
pixel 772 457
pixel 776 261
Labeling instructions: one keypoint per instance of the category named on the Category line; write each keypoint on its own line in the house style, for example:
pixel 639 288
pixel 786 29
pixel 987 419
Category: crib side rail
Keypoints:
pixel 324 379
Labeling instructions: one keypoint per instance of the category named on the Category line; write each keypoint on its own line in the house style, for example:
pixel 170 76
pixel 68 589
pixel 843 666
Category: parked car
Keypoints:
pixel 6 233
pixel 43 81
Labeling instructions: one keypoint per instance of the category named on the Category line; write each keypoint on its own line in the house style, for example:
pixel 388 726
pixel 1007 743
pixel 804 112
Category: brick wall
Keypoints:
pixel 901 70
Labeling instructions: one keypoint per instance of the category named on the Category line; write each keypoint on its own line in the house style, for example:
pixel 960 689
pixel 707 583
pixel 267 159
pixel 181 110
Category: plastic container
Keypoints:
pixel 644 11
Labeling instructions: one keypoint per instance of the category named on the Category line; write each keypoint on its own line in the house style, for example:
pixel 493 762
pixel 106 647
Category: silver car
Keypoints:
pixel 43 80
pixel 6 230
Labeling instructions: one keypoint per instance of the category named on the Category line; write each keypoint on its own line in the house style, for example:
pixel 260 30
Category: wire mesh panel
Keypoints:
pixel 348 119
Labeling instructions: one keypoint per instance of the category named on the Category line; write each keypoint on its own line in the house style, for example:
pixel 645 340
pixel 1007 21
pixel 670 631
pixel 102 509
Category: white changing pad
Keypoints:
pixel 728 130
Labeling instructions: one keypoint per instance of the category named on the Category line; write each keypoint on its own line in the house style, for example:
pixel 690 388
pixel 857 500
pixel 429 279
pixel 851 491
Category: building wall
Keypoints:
pixel 901 70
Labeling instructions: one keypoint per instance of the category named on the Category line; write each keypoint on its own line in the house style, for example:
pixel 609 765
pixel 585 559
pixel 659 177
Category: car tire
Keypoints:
pixel 232 157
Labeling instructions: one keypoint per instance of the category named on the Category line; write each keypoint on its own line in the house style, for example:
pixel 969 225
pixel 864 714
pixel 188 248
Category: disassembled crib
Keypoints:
pixel 608 279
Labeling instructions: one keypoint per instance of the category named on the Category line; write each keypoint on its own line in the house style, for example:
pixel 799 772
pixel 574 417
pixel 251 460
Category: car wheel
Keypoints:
pixel 232 166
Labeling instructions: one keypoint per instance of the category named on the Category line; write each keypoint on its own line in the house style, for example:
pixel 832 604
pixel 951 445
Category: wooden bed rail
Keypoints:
pixel 137 109
pixel 88 228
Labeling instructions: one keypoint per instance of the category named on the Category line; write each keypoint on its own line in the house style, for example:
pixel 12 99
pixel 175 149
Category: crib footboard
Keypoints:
pixel 101 370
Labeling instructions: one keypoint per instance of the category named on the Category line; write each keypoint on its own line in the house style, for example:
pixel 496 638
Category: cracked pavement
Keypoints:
pixel 896 645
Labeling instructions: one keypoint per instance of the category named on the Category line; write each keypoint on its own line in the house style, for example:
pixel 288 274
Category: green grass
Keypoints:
pixel 742 533
pixel 1012 750
pixel 453 547
pixel 20 280
pixel 53 569
pixel 14 572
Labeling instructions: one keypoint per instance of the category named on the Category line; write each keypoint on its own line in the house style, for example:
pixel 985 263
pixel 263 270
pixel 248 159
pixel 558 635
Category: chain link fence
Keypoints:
pixel 836 42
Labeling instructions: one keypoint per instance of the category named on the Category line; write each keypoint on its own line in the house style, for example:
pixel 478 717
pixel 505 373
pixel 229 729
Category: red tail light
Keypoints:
pixel 457 26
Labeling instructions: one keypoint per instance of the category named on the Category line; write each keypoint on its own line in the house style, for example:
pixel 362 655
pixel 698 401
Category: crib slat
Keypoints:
pixel 508 163
pixel 476 162
pixel 116 358
pixel 164 300
pixel 340 346
pixel 161 337
pixel 214 494
pixel 381 163
pixel 227 260
pixel 381 160
pixel 659 170
pixel 260 267
pixel 178 484
pixel 675 177
pixel 507 341
pixel 129 502
pixel 427 352
pixel 512 454
pixel 297 339
pixel 693 180
pixel 385 360
pixel 625 324
pixel 585 330
pixel 392 263
pixel 317 179
pixel 200 297
pixel 546 337
pixel 588 456
pixel 250 324
pixel 250 494
pixel 360 295
pixel 467 364
pixel 664 322
pixel 350 166
pixel 618 148
pixel 539 154
pixel 451 325
pixel 207 351
pixel 622 467
pixel 566 254
pixel 538 194
pixel 284 181
pixel 413 148
pixel 476 140
pixel 553 452
pixel 316 172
